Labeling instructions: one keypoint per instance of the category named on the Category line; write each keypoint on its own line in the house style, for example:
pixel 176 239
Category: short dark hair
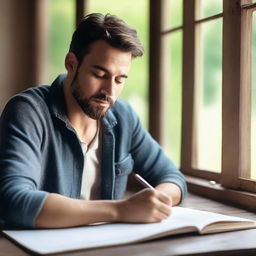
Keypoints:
pixel 109 28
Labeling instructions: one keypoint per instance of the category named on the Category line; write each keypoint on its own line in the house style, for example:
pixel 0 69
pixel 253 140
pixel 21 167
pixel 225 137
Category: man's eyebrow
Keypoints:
pixel 107 71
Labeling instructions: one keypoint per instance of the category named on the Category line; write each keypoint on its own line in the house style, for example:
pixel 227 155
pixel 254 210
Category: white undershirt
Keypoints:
pixel 91 179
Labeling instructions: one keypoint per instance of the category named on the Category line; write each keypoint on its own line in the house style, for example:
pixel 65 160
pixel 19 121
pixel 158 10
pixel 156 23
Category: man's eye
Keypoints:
pixel 120 80
pixel 98 75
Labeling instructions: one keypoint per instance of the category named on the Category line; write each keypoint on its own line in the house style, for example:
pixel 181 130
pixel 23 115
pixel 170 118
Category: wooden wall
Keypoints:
pixel 23 45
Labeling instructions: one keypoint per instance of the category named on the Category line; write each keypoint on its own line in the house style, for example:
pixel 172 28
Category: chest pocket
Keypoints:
pixel 122 169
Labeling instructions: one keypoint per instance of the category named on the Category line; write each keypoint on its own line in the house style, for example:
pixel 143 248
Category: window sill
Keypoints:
pixel 219 193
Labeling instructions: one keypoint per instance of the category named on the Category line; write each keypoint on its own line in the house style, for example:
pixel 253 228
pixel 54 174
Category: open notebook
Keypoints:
pixel 183 220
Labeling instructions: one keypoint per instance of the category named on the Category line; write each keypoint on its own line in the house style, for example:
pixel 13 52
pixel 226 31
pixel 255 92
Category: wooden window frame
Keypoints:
pixel 228 185
pixel 80 10
pixel 247 10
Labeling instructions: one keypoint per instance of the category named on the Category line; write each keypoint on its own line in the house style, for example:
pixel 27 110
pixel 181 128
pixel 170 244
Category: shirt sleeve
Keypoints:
pixel 21 136
pixel 150 160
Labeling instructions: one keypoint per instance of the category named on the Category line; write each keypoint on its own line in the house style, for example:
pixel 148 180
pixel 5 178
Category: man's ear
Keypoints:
pixel 71 63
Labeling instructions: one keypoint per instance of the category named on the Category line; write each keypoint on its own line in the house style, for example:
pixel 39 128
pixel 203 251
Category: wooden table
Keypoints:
pixel 230 243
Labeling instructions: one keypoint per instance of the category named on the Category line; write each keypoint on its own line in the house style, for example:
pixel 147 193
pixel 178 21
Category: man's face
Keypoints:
pixel 100 78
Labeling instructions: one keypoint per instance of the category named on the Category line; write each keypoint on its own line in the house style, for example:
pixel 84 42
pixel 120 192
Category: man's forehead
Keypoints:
pixel 107 58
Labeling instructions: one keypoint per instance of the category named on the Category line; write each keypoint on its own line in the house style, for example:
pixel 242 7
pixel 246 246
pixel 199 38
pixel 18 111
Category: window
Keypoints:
pixel 208 86
pixel 247 175
pixel 209 58
pixel 165 76
pixel 172 71
pixel 202 80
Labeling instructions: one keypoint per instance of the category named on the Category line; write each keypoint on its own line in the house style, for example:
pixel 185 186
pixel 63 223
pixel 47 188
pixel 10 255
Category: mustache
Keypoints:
pixel 102 96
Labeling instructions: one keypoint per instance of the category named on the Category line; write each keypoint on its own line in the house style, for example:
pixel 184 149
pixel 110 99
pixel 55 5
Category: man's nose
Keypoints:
pixel 109 87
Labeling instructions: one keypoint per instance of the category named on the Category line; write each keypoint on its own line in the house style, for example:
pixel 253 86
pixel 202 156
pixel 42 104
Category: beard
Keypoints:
pixel 91 106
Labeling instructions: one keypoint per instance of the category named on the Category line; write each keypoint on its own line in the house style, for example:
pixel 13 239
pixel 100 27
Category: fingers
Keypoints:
pixel 159 196
pixel 161 203
pixel 159 213
pixel 156 218
pixel 164 198
pixel 148 205
pixel 166 203
pixel 165 209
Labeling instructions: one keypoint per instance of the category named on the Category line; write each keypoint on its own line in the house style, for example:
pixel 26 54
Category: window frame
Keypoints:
pixel 236 105
pixel 247 9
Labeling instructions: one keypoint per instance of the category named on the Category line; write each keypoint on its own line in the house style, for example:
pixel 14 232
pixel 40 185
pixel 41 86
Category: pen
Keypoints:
pixel 142 181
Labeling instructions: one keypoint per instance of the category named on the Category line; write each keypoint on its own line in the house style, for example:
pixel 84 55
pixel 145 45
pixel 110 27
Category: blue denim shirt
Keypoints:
pixel 40 153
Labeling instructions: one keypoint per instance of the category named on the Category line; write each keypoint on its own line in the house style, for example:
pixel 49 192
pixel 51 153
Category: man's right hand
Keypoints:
pixel 148 205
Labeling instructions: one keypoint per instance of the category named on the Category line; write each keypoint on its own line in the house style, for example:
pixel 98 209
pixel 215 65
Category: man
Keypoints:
pixel 67 149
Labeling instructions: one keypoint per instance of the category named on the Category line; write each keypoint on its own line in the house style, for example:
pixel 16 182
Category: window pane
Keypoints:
pixel 253 118
pixel 135 13
pixel 208 8
pixel 172 96
pixel 173 14
pixel 208 95
pixel 62 24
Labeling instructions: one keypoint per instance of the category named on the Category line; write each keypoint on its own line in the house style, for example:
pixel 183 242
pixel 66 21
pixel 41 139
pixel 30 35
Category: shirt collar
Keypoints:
pixel 58 102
